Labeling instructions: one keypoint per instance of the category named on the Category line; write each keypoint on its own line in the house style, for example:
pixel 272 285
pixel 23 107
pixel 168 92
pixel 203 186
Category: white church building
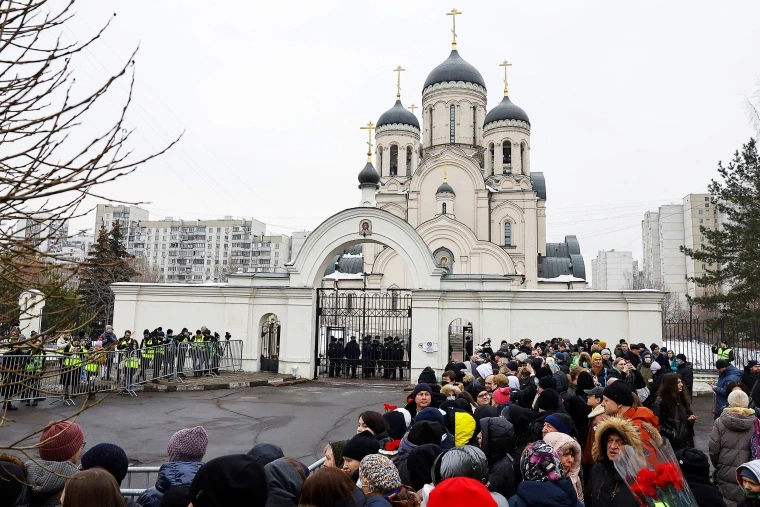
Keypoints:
pixel 450 233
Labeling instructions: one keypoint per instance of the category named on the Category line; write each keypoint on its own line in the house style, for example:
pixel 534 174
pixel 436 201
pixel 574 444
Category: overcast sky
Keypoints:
pixel 631 104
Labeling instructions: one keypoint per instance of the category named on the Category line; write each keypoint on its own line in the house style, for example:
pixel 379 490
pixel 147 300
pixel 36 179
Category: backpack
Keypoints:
pixel 754 441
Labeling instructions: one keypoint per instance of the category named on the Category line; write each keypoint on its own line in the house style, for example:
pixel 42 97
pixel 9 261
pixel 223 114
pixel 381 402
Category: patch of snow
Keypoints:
pixel 562 278
pixel 337 275
pixel 349 256
pixel 491 189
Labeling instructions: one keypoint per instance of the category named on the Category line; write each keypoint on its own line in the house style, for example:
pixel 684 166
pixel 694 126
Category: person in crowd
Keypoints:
pixel 461 491
pixel 60 448
pixel 658 372
pixel 544 481
pixel 483 398
pixel 184 457
pixel 285 478
pixel 751 373
pixel 112 459
pixel 230 480
pixel 729 445
pixel 673 410
pixel 748 477
pixel 71 373
pixel 497 441
pixel 380 479
pixel 723 351
pixel 108 341
pixel 618 400
pixel 727 373
pixel 569 451
pixel 696 471
pixel 672 362
pixel 92 487
pixel 596 416
pixel 374 423
pixel 501 395
pixel 604 486
pixel 328 487
pixel 684 370
pixel 624 369
pixel 263 454
pixel 179 496
pixel 421 398
pixel 645 370
pixel 360 445
pixel 466 461
pixel 559 423
pixel 334 454
pixel 658 356
pixel 417 472
pixel 599 371
pixel 13 488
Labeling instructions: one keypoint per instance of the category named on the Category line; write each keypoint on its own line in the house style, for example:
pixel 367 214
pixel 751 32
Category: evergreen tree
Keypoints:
pixel 732 252
pixel 122 270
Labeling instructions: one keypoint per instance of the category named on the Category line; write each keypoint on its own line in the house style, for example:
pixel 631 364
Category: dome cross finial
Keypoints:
pixel 398 70
pixel 454 13
pixel 445 174
pixel 505 64
pixel 369 127
pixel 412 108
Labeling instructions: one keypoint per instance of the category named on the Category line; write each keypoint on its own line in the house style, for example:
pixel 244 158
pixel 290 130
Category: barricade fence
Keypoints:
pixel 33 375
pixel 698 341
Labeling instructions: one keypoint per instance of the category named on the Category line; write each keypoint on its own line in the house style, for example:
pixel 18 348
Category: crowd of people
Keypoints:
pixel 526 426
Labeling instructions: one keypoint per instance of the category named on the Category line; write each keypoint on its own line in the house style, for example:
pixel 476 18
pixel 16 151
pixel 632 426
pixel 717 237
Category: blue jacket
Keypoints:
pixel 175 473
pixel 730 374
pixel 545 494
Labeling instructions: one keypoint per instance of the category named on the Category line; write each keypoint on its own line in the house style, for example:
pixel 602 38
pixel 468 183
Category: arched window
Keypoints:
pixel 408 160
pixel 452 123
pixel 350 301
pixel 506 155
pixel 380 160
pixel 507 234
pixel 394 160
pixel 443 208
pixel 522 158
pixel 491 155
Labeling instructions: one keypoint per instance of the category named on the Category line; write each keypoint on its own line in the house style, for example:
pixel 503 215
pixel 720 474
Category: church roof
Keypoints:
pixel 562 259
pixel 369 175
pixel 349 261
pixel 506 110
pixel 538 182
pixel 454 68
pixel 398 114
pixel 445 187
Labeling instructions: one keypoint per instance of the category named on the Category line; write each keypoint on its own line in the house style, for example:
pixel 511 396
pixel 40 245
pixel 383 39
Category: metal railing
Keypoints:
pixel 33 375
pixel 147 472
pixel 696 338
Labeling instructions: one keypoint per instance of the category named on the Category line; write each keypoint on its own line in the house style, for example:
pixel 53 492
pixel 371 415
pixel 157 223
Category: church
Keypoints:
pixel 462 178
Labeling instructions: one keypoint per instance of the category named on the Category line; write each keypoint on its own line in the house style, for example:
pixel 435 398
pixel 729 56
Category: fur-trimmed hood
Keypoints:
pixel 624 428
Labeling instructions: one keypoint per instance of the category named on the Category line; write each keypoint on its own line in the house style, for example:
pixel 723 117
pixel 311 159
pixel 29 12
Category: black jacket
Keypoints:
pixel 674 424
pixel 352 350
pixel 498 443
pixel 748 379
pixel 605 488
pixel 705 492
pixel 687 376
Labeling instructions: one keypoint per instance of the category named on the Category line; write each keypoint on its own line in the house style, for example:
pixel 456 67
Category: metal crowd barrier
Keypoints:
pixel 147 472
pixel 84 372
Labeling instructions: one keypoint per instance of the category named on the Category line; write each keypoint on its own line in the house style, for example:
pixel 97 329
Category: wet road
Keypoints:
pixel 301 418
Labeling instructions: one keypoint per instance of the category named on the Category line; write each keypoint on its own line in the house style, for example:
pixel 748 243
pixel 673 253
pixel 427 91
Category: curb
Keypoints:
pixel 180 387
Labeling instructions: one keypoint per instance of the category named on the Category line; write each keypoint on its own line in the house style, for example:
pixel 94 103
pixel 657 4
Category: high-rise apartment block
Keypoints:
pixel 612 270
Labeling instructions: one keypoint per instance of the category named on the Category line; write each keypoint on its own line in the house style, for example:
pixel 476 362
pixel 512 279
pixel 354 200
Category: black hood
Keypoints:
pixel 520 418
pixel 419 463
pixel 266 453
pixel 498 438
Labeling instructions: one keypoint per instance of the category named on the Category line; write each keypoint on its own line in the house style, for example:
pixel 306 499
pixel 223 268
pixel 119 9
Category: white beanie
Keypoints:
pixel 738 399
pixel 655 366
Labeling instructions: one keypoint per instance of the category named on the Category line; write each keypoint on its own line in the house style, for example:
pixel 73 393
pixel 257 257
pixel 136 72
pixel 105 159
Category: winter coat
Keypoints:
pixel 730 374
pixel 498 441
pixel 596 416
pixel 46 480
pixel 646 373
pixel 284 483
pixel 352 350
pixel 705 492
pixel 402 497
pixel 577 408
pixel 263 454
pixel 648 425
pixel 545 494
pixel 748 379
pixel 729 448
pixel 563 383
pixel 561 442
pixel 753 467
pixel 687 376
pixel 175 473
pixel 674 423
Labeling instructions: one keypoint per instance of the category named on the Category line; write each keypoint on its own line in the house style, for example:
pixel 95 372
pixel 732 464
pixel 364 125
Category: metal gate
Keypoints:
pixel 363 334
pixel 270 345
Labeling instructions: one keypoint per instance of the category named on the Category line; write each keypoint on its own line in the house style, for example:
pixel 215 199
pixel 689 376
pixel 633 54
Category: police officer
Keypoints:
pixel 366 356
pixel 388 364
pixel 398 358
pixel 376 355
pixel 341 354
pixel 34 369
pixel 72 368
pixel 148 352
pixel 352 356
pixel 723 351
pixel 181 342
pixel 197 350
pixel 129 347
pixel 332 354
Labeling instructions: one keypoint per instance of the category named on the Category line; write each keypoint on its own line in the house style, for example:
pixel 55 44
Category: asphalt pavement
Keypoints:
pixel 300 418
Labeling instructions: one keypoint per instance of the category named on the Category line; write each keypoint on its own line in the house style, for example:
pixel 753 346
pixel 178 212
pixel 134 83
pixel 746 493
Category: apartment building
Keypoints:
pixel 49 235
pixel 297 240
pixel 127 216
pixel 698 211
pixel 650 233
pixel 612 270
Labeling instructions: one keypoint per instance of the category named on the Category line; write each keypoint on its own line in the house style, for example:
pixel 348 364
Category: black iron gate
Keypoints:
pixel 697 339
pixel 363 333
pixel 270 345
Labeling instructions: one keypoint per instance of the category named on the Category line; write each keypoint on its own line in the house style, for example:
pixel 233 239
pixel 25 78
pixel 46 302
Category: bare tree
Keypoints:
pixel 752 108
pixel 146 272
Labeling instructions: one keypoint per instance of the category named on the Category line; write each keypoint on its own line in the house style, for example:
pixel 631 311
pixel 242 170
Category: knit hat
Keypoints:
pixel 693 462
pixel 460 491
pixel 425 432
pixel 738 399
pixel 60 441
pixel 548 400
pixel 606 352
pixel 619 392
pixel 655 366
pixel 380 472
pixel 512 366
pixel 230 480
pixel 419 388
pixel 419 463
pixel 188 444
pixel 12 484
pixel 654 346
pixel 540 463
pixel 563 422
pixel 559 356
pixel 603 344
pixel 751 363
pixel 396 424
pixel 427 376
pixel 543 372
pixel 743 471
pixel 547 383
pixel 361 445
pixel 522 357
pixel 596 355
pixel 429 414
pixel 407 416
pixel 682 357
pixel 108 456
pixel 501 395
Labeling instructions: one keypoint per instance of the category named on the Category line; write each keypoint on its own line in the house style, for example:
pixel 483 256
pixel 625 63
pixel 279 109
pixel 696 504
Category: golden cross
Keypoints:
pixel 369 128
pixel 398 70
pixel 505 64
pixel 445 174
pixel 413 107
pixel 454 13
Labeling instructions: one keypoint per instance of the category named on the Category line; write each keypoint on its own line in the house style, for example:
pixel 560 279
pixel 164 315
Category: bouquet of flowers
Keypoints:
pixel 657 481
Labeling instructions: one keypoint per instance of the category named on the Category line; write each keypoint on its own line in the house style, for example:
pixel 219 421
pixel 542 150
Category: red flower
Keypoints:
pixel 645 483
pixel 389 408
pixel 392 445
pixel 669 474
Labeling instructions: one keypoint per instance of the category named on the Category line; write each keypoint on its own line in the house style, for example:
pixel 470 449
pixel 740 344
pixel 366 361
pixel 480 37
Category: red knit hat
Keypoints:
pixel 60 441
pixel 501 395
pixel 460 489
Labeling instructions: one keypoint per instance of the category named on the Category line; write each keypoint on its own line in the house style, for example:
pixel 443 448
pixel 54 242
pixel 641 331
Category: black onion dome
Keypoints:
pixel 454 68
pixel 445 188
pixel 506 110
pixel 369 175
pixel 398 114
